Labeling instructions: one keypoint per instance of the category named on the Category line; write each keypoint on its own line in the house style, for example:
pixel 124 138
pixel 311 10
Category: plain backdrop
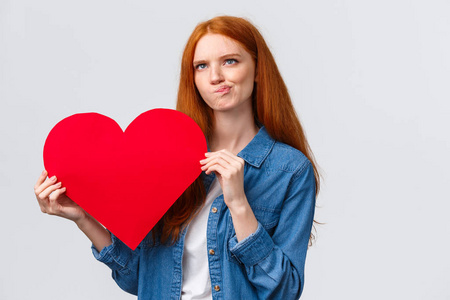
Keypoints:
pixel 370 82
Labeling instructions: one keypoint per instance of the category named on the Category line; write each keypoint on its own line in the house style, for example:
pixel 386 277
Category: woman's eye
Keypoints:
pixel 230 61
pixel 200 66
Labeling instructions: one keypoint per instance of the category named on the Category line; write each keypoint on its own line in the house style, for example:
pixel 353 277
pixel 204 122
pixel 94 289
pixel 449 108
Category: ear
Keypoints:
pixel 256 74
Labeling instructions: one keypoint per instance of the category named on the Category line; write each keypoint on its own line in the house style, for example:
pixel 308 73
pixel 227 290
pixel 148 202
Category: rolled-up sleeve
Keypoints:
pixel 275 264
pixel 122 261
pixel 253 248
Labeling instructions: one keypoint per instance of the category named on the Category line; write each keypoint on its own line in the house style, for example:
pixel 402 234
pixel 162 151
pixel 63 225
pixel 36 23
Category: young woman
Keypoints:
pixel 241 230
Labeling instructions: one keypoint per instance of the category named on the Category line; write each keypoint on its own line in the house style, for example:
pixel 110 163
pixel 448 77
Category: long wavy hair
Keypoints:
pixel 272 107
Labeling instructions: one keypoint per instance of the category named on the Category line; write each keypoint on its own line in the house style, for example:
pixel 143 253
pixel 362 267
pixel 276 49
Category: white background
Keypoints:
pixel 370 81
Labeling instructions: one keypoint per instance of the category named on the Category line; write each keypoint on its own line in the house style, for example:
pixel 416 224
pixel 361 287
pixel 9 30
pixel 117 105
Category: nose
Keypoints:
pixel 216 75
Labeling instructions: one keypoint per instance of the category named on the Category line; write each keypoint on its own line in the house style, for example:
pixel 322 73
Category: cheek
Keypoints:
pixel 202 87
pixel 199 83
pixel 246 78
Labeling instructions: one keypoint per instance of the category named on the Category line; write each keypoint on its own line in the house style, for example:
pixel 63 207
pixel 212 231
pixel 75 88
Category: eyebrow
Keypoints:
pixel 197 62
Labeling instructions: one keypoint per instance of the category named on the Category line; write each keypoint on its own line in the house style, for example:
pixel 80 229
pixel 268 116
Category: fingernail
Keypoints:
pixel 58 184
pixel 53 178
pixel 43 172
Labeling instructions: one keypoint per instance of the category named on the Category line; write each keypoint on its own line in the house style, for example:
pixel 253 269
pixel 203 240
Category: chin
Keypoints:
pixel 222 105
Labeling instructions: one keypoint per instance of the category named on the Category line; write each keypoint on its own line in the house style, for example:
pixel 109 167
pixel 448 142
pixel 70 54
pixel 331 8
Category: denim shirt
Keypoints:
pixel 269 264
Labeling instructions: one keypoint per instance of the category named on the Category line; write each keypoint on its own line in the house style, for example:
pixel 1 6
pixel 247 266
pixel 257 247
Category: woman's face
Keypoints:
pixel 224 73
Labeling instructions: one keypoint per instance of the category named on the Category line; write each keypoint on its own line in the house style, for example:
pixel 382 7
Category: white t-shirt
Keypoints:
pixel 196 280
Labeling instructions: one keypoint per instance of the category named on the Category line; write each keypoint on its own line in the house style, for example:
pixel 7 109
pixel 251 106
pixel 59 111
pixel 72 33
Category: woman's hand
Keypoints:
pixel 52 199
pixel 229 169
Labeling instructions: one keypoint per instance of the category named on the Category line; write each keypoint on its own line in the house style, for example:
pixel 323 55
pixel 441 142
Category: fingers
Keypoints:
pixel 49 194
pixel 48 198
pixel 215 160
pixel 219 169
pixel 54 208
pixel 49 181
pixel 224 155
pixel 230 164
pixel 41 179
pixel 49 190
pixel 46 190
pixel 56 193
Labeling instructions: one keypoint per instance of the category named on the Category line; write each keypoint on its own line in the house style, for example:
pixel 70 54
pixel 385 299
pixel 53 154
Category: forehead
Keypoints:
pixel 211 45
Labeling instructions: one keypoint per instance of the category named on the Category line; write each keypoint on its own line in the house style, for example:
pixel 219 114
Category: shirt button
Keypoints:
pixel 217 288
pixel 211 252
pixel 214 210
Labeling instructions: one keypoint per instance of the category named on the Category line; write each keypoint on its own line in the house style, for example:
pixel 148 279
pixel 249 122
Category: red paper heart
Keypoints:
pixel 126 180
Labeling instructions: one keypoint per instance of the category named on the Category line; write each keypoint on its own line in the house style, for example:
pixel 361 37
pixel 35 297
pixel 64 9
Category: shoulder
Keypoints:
pixel 288 159
pixel 272 157
pixel 296 170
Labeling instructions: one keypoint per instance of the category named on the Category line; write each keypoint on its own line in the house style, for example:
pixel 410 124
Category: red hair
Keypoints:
pixel 272 107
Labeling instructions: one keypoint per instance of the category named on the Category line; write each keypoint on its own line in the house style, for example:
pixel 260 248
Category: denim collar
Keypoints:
pixel 258 149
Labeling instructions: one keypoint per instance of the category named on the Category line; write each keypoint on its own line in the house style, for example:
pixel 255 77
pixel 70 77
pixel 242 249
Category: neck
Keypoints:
pixel 232 130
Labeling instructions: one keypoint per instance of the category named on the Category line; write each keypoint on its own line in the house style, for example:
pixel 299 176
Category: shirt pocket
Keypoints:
pixel 268 218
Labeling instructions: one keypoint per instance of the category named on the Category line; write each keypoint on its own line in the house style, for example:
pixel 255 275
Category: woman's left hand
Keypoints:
pixel 229 169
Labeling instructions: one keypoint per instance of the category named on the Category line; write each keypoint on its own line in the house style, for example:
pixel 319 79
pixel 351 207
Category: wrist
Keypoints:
pixel 244 220
pixel 239 208
pixel 238 204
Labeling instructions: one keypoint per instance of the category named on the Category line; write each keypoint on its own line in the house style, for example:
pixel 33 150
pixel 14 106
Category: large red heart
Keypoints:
pixel 126 180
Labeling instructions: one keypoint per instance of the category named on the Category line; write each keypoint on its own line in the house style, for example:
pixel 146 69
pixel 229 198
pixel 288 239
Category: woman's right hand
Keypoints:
pixel 53 201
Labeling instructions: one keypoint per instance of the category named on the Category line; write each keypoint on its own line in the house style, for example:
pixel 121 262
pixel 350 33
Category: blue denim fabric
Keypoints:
pixel 269 264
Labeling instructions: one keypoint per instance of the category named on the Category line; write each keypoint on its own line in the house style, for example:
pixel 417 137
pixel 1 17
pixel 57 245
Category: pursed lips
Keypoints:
pixel 223 89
